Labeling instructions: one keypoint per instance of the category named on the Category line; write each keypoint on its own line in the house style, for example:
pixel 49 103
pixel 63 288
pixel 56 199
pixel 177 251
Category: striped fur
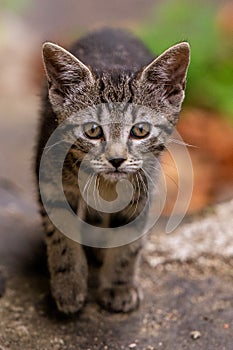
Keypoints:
pixel 111 79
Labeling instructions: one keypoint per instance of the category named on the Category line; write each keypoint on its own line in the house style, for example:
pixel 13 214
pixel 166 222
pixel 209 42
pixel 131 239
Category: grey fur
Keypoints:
pixel 106 67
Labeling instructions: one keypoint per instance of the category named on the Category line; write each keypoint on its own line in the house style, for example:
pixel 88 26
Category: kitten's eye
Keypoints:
pixel 93 131
pixel 140 130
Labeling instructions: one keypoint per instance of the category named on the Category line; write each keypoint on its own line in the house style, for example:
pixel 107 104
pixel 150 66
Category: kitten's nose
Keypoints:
pixel 116 162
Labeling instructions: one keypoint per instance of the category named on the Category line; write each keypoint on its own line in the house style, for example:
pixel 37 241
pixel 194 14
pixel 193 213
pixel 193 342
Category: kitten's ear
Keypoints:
pixel 167 73
pixel 63 69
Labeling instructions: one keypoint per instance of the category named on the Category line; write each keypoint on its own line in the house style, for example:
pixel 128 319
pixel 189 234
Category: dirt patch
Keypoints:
pixel 179 298
pixel 187 287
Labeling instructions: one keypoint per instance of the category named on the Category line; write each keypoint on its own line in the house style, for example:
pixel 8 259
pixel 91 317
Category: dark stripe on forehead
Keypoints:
pixel 108 107
pixel 125 107
pixel 115 131
pixel 134 112
pixel 115 87
pixel 104 111
pixel 99 111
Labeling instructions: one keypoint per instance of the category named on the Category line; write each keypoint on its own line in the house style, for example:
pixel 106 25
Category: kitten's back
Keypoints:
pixel 112 49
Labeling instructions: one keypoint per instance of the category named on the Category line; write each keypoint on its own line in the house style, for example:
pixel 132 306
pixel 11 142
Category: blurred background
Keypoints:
pixel 207 116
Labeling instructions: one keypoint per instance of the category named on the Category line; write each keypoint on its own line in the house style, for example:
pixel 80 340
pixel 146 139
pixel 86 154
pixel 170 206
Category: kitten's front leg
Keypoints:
pixel 118 290
pixel 68 269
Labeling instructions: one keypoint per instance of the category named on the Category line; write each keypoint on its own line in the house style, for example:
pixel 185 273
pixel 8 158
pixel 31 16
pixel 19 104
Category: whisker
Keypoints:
pixel 96 194
pixel 143 183
pixel 48 148
pixel 173 180
pixel 181 142
pixel 88 187
pixel 138 198
pixel 135 190
pixel 147 175
pixel 145 187
pixel 87 183
pixel 99 195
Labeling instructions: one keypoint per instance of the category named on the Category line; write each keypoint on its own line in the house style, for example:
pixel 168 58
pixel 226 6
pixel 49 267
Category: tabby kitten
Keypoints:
pixel 102 69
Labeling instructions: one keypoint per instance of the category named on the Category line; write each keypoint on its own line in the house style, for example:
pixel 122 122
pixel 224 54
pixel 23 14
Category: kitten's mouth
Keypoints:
pixel 114 175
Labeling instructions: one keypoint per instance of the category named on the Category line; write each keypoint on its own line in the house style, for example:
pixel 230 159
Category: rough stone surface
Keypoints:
pixel 186 278
pixel 211 235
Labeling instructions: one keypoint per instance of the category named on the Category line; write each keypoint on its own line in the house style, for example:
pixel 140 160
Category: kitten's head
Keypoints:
pixel 117 121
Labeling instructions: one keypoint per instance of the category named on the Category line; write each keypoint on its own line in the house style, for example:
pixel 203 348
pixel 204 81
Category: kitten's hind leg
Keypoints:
pixel 68 269
pixel 118 290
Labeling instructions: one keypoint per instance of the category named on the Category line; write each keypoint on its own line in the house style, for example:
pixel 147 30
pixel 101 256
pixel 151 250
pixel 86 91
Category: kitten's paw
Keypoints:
pixel 119 299
pixel 69 295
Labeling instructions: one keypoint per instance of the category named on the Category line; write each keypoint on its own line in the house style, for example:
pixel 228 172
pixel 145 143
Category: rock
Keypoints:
pixel 195 335
pixel 204 236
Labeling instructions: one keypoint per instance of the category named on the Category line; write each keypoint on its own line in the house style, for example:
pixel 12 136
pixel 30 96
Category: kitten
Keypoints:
pixel 103 69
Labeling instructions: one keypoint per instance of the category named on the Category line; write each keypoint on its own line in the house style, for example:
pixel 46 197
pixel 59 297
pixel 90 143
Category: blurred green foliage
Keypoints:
pixel 210 76
pixel 14 5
